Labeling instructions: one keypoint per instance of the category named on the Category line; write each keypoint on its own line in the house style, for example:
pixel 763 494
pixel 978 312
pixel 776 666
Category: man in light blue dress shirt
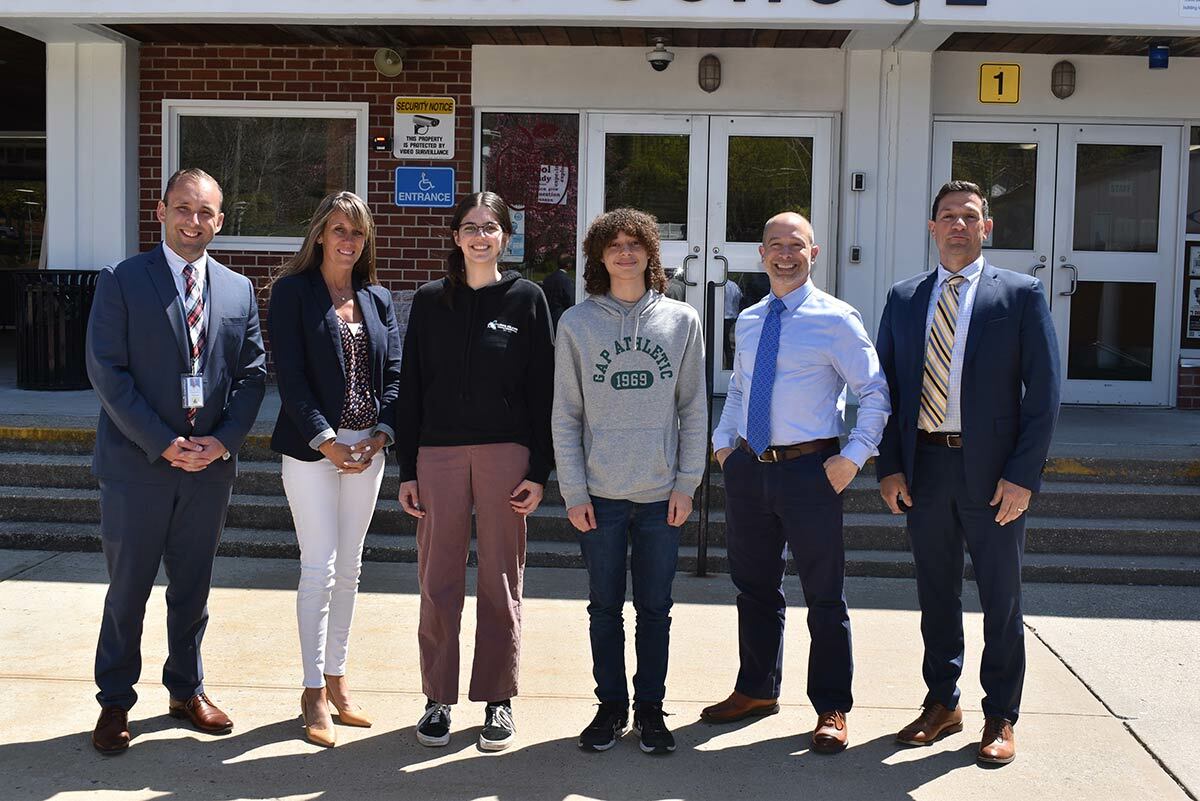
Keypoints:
pixel 778 444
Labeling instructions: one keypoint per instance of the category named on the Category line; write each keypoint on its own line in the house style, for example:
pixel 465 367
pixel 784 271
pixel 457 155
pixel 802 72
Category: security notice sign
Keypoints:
pixel 424 128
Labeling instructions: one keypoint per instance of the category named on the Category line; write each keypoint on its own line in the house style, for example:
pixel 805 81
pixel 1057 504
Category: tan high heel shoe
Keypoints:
pixel 326 738
pixel 350 716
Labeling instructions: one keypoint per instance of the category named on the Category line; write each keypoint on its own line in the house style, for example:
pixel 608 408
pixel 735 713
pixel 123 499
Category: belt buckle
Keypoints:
pixel 769 456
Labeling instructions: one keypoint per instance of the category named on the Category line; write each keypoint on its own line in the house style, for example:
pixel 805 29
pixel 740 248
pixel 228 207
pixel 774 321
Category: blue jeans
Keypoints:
pixel 655 554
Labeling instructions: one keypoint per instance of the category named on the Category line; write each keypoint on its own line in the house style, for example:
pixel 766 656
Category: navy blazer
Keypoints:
pixel 1010 380
pixel 309 363
pixel 138 347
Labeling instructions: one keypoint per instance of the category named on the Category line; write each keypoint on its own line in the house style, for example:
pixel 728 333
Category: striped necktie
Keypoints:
pixel 935 387
pixel 193 308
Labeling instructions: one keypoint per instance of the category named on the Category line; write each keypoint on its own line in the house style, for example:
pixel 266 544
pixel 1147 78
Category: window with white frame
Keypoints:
pixel 273 160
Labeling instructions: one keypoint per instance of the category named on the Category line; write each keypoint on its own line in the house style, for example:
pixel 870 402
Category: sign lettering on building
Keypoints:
pixel 999 83
pixel 423 128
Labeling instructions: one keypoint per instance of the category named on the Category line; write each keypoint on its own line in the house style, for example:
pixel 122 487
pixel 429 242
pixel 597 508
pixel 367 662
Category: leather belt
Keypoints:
pixel 941 438
pixel 781 453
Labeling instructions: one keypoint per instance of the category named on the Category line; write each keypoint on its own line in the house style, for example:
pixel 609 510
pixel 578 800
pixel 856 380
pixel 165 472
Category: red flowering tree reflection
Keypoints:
pixel 532 161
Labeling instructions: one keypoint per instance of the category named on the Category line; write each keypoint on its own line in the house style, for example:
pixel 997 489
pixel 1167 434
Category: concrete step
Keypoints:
pixel 1075 499
pixel 281 544
pixel 1076 463
pixel 862 531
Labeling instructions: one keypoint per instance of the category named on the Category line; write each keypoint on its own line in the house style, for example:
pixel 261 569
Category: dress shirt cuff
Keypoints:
pixel 388 433
pixel 320 439
pixel 720 441
pixel 857 453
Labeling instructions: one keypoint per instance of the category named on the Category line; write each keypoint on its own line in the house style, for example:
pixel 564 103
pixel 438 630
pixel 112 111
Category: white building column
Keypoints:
pixel 860 284
pixel 907 127
pixel 91 153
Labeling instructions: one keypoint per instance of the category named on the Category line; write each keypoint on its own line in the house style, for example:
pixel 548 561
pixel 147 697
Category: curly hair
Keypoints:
pixel 601 233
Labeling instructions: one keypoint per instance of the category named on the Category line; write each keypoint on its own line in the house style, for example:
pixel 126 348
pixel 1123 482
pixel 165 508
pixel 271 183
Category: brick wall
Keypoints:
pixel 411 242
pixel 1188 396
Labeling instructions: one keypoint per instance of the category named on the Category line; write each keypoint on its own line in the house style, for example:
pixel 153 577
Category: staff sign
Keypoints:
pixel 999 83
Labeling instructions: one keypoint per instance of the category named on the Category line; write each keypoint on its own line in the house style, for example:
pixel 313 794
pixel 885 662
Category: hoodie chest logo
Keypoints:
pixel 629 347
pixel 496 325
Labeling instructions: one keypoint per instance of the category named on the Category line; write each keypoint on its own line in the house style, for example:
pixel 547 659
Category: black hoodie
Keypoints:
pixel 478 370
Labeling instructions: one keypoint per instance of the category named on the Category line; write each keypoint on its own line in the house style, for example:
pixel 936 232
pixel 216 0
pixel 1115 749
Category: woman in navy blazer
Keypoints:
pixel 337 361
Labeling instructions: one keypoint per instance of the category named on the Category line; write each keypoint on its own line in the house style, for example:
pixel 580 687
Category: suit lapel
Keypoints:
pixel 371 321
pixel 981 309
pixel 217 305
pixel 920 307
pixel 164 283
pixel 321 292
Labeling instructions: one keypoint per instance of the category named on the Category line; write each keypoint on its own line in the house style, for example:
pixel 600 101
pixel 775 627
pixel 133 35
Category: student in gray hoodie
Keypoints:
pixel 629 430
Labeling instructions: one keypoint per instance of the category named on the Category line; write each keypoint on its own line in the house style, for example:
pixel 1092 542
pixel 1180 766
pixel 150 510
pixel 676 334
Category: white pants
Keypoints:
pixel 331 511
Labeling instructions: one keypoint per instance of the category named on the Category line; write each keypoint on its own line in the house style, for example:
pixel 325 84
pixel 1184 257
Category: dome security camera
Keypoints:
pixel 660 57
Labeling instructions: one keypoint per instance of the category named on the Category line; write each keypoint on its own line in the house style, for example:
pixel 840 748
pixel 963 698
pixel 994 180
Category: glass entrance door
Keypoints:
pixel 713 182
pixel 1088 209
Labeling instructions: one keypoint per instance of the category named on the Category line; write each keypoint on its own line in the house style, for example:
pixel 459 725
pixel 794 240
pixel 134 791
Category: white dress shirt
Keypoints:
pixel 823 347
pixel 966 301
pixel 177 263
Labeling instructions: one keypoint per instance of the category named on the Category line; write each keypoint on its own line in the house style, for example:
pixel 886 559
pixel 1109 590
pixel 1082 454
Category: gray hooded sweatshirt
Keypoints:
pixel 629 405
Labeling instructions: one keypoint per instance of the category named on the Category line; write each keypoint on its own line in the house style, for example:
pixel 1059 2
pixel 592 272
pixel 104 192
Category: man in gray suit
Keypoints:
pixel 175 356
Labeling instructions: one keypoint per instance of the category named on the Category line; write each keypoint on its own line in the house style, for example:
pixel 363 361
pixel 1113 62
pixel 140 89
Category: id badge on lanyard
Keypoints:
pixel 192 386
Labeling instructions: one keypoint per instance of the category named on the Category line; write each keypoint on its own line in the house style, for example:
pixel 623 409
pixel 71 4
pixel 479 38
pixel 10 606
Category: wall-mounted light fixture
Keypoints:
pixel 710 73
pixel 388 62
pixel 1062 80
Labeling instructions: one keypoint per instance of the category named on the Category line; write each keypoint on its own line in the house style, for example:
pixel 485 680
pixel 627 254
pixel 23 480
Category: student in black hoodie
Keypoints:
pixel 473 430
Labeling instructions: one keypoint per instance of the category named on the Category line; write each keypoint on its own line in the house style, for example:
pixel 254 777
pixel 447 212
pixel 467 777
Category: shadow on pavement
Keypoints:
pixel 392 764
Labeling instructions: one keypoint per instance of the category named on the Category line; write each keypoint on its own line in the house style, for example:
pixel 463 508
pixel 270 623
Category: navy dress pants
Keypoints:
pixel 771 508
pixel 942 518
pixel 142 525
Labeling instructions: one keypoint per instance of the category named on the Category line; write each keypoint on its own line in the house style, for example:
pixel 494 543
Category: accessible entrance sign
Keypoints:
pixel 424 128
pixel 425 187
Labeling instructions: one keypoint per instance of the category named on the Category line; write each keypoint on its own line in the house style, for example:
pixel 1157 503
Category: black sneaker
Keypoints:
pixel 649 724
pixel 608 725
pixel 434 727
pixel 498 728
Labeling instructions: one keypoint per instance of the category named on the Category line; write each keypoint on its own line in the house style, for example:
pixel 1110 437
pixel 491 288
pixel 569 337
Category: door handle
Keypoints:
pixel 687 259
pixel 1034 269
pixel 725 271
pixel 1074 281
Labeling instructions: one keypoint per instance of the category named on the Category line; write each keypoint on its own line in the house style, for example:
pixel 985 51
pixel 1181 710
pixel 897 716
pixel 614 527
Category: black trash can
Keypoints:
pixel 52 316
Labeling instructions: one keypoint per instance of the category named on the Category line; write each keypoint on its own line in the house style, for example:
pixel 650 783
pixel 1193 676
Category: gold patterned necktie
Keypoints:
pixel 935 387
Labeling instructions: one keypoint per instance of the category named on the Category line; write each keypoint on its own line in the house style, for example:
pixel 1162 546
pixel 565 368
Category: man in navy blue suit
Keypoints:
pixel 176 358
pixel 973 368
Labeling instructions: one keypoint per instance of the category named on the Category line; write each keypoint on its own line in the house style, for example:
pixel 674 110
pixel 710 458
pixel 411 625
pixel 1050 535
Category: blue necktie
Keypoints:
pixel 758 416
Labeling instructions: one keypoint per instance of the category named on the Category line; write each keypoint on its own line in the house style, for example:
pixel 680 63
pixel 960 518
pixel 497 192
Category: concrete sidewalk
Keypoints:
pixel 1097 655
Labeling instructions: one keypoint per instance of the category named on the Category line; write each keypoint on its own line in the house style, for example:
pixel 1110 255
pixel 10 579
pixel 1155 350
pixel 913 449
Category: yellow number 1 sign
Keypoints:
pixel 999 83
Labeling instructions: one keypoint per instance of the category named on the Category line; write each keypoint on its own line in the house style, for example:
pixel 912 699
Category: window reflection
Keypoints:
pixel 532 161
pixel 1116 198
pixel 767 175
pixel 1112 331
pixel 649 172
pixel 743 290
pixel 1007 172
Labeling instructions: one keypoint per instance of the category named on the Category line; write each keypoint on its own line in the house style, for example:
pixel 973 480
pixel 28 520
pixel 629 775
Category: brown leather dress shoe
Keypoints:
pixel 739 707
pixel 111 735
pixel 202 713
pixel 997 746
pixel 934 723
pixel 830 736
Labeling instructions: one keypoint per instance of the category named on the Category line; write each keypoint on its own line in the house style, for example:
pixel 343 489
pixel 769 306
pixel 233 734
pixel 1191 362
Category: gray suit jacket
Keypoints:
pixel 138 347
